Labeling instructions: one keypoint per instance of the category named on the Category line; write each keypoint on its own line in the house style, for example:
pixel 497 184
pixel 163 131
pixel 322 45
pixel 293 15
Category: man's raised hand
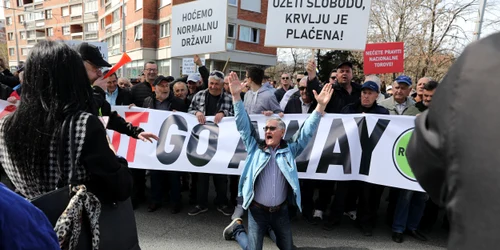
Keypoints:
pixel 324 97
pixel 234 84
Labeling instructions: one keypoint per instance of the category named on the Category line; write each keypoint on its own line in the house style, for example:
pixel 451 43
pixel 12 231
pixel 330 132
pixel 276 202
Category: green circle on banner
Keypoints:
pixel 399 155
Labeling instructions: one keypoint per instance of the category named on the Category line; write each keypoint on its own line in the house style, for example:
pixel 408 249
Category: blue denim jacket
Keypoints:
pixel 259 155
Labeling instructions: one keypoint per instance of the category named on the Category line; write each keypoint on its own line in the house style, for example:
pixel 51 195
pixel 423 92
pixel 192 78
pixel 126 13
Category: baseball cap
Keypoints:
pixel 370 85
pixel 195 77
pixel 403 79
pixel 349 64
pixel 161 78
pixel 92 54
pixel 388 87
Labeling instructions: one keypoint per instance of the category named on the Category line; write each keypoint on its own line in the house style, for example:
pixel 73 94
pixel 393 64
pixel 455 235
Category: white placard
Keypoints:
pixel 102 46
pixel 199 27
pixel 318 24
pixel 189 67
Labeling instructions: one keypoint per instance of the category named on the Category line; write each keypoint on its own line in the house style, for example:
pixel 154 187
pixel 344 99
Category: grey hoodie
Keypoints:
pixel 263 100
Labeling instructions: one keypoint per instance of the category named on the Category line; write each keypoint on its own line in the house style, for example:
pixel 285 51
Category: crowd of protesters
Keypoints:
pixel 47 99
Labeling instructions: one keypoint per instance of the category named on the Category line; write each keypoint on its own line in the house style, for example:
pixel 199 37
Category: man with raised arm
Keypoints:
pixel 270 172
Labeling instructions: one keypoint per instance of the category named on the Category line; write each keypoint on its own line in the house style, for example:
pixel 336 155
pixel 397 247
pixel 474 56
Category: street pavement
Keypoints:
pixel 162 230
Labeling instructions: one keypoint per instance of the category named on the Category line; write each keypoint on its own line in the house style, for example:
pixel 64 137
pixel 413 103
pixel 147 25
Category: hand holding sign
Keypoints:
pixel 311 69
pixel 197 61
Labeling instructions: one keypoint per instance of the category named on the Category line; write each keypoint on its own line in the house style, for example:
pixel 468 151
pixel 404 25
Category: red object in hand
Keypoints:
pixel 124 60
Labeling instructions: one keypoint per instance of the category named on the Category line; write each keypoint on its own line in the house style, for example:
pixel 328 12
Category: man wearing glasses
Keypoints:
pixel 145 89
pixel 285 85
pixel 270 172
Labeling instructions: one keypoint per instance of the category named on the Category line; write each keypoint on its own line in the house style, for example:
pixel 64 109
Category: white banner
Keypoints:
pixel 102 46
pixel 189 67
pixel 318 24
pixel 199 27
pixel 361 147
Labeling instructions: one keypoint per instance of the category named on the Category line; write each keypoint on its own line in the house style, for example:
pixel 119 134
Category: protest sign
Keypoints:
pixel 363 147
pixel 189 67
pixel 199 27
pixel 102 46
pixel 380 58
pixel 318 24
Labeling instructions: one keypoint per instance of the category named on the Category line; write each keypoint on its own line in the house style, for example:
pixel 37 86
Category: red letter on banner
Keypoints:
pixel 136 118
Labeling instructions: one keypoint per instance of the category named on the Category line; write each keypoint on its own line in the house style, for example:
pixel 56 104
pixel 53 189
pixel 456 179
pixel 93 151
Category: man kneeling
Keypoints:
pixel 269 172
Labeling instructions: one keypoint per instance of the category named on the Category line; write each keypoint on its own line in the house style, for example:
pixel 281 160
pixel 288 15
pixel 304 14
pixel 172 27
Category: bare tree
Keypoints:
pixel 429 28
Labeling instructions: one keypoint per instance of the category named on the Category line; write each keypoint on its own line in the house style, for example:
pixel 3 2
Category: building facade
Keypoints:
pixel 146 24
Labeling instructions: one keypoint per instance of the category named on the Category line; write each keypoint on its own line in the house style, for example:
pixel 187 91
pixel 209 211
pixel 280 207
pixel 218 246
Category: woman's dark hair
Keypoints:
pixel 55 86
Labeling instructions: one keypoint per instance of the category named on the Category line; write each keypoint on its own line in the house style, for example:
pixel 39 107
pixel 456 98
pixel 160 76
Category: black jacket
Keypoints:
pixel 280 93
pixel 7 78
pixel 176 103
pixel 140 92
pixel 340 97
pixel 356 108
pixel 421 107
pixel 124 97
pixel 294 105
pixel 453 151
pixel 5 91
pixel 115 122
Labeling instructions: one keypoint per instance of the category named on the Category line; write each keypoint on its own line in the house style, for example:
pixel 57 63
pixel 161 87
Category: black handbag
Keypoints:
pixel 117 221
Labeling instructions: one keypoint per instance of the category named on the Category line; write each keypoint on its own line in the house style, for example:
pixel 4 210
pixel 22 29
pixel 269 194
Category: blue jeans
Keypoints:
pixel 259 221
pixel 159 179
pixel 409 210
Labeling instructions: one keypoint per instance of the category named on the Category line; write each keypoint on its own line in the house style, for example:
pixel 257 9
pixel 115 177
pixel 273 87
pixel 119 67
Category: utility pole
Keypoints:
pixel 83 22
pixel 124 38
pixel 15 34
pixel 479 24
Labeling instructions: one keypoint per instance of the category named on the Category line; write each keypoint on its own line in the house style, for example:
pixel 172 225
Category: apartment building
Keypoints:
pixel 35 20
pixel 146 24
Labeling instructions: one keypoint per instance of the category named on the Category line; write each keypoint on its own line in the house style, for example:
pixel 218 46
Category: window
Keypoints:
pixel 231 31
pixel 116 39
pixel 91 6
pixel 7 4
pixel 248 34
pixel 102 24
pixel 116 16
pixel 165 29
pixel 233 2
pixel 23 35
pixel 10 36
pixel 38 15
pixel 21 18
pixel 65 11
pixel 65 30
pixel 165 2
pixel 251 5
pixel 138 32
pixel 138 4
pixel 11 51
pixel 91 26
pixel 20 3
pixel 8 20
pixel 25 51
pixel 50 32
pixel 76 10
pixel 164 67
pixel 31 34
pixel 48 14
pixel 135 68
